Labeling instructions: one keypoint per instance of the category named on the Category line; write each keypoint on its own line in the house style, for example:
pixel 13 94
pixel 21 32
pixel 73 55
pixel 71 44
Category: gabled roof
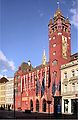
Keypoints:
pixel 3 80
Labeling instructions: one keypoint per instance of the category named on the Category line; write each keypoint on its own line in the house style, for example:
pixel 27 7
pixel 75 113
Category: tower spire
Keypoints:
pixel 44 58
pixel 58 4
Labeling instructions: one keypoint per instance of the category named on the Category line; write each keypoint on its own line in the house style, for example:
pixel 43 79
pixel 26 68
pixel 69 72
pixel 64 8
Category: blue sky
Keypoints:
pixel 24 30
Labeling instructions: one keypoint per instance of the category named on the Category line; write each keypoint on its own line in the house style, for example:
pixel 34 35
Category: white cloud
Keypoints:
pixel 5 64
pixel 74 17
pixel 74 14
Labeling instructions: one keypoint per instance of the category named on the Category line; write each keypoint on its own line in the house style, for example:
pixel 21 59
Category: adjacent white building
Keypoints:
pixel 9 93
pixel 69 87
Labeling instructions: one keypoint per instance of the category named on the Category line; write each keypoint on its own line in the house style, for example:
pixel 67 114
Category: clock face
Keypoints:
pixel 64 47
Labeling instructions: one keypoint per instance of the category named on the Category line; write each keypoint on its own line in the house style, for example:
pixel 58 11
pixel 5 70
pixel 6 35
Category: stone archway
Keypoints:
pixel 31 105
pixel 44 105
pixel 37 105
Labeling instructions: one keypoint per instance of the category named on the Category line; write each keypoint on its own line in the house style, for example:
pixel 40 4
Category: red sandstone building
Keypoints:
pixel 38 89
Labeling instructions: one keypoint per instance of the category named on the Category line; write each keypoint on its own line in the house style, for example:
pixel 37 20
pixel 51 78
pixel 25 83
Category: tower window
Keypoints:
pixel 53 37
pixel 54 53
pixel 54 45
pixel 55 74
pixel 55 62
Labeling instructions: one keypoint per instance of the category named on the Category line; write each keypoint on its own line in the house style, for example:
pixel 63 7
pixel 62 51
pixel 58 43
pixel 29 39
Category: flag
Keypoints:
pixel 42 87
pixel 53 87
pixel 24 81
pixel 49 78
pixel 21 84
pixel 59 86
pixel 38 86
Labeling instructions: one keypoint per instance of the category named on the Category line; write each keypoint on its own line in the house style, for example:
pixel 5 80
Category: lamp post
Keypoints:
pixel 14 102
pixel 14 97
pixel 77 105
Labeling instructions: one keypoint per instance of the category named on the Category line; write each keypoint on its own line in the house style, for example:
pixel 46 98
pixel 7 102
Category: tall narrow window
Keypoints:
pixel 65 75
pixel 66 105
pixel 44 105
pixel 55 74
pixel 73 73
pixel 37 105
pixel 31 105
pixel 77 72
pixel 73 87
pixel 65 88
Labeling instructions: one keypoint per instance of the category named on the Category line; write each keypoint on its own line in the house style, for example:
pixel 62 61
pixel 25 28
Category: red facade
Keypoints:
pixel 39 88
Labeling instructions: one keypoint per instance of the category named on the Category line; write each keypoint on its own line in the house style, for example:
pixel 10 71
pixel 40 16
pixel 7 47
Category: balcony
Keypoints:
pixel 69 93
pixel 65 80
pixel 74 78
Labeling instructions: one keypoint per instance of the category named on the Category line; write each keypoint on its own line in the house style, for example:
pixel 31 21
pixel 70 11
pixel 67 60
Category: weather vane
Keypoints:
pixel 58 4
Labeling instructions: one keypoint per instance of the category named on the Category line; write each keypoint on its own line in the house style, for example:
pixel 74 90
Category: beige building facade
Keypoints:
pixel 9 93
pixel 6 93
pixel 2 95
pixel 69 87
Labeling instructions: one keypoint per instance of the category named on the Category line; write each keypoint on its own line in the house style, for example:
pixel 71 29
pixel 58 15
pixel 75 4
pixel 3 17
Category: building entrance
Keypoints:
pixel 57 104
pixel 44 105
pixel 31 105
pixel 74 106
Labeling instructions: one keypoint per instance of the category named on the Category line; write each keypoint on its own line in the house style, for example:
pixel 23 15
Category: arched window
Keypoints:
pixel 37 105
pixel 44 105
pixel 31 105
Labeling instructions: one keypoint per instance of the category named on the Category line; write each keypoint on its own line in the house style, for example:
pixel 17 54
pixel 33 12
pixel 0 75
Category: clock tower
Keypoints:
pixel 59 53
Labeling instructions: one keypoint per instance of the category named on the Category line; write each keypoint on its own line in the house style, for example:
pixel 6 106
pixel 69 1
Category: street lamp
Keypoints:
pixel 14 102
pixel 14 97
pixel 77 105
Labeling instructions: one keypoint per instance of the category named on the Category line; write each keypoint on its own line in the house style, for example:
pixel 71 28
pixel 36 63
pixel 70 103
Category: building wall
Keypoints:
pixel 2 95
pixel 26 89
pixel 69 85
pixel 6 93
pixel 9 93
pixel 59 53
